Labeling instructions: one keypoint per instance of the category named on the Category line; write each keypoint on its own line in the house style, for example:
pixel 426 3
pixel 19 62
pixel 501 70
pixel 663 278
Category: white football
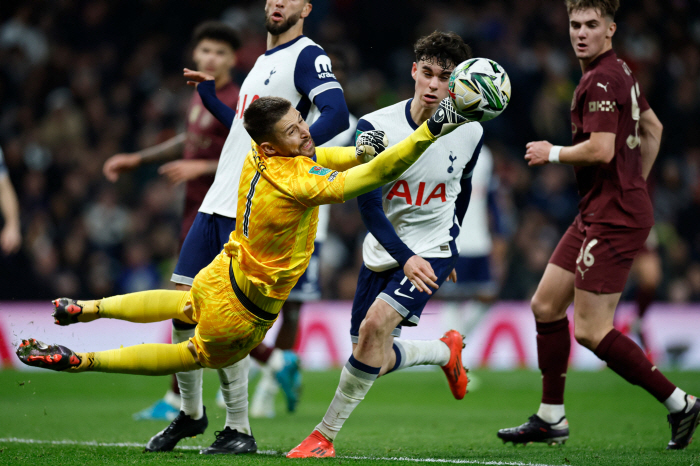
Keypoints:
pixel 480 89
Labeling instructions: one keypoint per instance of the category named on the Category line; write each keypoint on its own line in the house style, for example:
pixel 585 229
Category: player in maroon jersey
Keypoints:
pixel 616 138
pixel 197 148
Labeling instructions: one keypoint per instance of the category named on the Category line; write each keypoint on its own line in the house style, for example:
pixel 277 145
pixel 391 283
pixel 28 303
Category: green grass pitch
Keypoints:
pixel 408 415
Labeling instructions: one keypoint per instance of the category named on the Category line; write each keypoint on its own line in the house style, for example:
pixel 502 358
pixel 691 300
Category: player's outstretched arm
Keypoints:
pixel 367 146
pixel 599 148
pixel 122 163
pixel 650 129
pixel 206 87
pixel 396 159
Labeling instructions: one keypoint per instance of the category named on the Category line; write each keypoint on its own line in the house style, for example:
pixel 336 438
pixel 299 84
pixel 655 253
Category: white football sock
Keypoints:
pixel 234 388
pixel 173 399
pixel 263 402
pixel 276 361
pixel 551 413
pixel 353 387
pixel 676 402
pixel 422 352
pixel 190 383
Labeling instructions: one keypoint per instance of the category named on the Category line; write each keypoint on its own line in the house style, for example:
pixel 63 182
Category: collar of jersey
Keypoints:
pixel 409 118
pixel 284 46
pixel 600 58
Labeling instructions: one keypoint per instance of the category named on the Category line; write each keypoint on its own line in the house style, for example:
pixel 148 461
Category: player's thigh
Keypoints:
pixel 647 269
pixel 369 285
pixel 593 316
pixel 554 294
pixel 380 321
pixel 196 252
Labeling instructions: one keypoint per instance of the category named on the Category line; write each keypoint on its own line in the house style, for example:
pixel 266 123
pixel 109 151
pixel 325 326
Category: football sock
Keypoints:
pixel 262 353
pixel 276 361
pixel 172 398
pixel 411 353
pixel 553 348
pixel 189 383
pixel 629 362
pixel 551 413
pixel 676 402
pixel 355 381
pixel 147 359
pixel 146 306
pixel 234 388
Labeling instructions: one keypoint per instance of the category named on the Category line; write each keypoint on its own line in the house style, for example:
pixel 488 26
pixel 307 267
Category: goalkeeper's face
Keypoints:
pixel 431 82
pixel 291 136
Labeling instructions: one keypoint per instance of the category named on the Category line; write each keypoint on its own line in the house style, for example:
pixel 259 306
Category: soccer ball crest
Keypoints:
pixel 480 89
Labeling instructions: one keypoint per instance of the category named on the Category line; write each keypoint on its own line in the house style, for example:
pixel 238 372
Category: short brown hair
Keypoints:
pixel 262 115
pixel 603 7
pixel 218 32
pixel 443 48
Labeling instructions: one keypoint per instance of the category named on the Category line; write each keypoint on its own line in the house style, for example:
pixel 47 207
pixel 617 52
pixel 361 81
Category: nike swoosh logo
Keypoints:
pixel 398 293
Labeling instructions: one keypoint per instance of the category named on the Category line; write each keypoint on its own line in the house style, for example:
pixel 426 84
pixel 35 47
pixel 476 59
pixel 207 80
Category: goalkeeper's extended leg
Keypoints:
pixel 147 359
pixel 141 307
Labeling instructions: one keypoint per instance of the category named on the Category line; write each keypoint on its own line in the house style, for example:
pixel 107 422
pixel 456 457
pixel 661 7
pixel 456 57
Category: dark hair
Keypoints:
pixel 262 115
pixel 443 48
pixel 603 7
pixel 217 31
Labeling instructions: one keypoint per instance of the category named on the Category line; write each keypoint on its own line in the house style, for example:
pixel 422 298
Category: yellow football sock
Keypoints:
pixel 145 306
pixel 147 359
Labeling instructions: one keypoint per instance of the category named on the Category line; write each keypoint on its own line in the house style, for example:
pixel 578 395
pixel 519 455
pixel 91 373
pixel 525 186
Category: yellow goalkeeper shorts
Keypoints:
pixel 229 325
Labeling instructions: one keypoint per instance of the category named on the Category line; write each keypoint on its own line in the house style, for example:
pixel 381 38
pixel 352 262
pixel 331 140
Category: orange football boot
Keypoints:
pixel 454 370
pixel 313 446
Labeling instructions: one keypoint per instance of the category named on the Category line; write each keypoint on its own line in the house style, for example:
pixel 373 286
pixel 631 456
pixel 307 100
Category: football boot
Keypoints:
pixel 454 370
pixel 181 427
pixel 230 441
pixel 684 423
pixel 537 430
pixel 313 446
pixel 55 357
pixel 66 311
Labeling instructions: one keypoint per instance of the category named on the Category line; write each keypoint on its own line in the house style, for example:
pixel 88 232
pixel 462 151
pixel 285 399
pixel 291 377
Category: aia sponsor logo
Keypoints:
pixel 402 189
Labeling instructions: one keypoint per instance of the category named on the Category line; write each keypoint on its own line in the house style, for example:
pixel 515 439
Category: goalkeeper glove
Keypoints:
pixel 370 144
pixel 445 119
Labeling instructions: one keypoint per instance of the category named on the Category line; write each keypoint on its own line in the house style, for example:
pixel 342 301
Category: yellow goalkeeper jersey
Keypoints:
pixel 277 215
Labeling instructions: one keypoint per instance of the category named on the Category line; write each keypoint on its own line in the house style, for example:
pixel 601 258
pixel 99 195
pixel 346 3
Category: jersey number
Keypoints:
pixel 249 202
pixel 633 139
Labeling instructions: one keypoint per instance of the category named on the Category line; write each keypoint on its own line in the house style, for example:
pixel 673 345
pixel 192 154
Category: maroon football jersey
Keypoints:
pixel 205 139
pixel 608 100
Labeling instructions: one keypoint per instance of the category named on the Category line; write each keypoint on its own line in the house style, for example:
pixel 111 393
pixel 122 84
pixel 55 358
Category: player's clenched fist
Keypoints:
pixel 537 153
pixel 370 144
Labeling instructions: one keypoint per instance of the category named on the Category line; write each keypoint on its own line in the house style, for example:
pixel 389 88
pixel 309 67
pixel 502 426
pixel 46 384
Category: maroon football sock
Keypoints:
pixel 173 385
pixel 644 298
pixel 553 347
pixel 628 361
pixel 262 352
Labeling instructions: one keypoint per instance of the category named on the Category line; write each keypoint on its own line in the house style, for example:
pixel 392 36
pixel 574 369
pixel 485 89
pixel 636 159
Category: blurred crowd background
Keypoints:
pixel 81 80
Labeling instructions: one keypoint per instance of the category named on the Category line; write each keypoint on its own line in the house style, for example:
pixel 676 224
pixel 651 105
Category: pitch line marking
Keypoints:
pixel 92 443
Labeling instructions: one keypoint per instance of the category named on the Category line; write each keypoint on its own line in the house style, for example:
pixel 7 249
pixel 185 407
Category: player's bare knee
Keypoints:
pixel 543 309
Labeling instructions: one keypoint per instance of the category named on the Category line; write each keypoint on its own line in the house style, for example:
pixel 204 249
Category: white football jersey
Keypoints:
pixel 475 240
pixel 421 203
pixel 298 71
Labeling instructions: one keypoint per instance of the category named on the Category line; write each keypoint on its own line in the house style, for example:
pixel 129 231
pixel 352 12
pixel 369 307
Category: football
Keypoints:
pixel 480 89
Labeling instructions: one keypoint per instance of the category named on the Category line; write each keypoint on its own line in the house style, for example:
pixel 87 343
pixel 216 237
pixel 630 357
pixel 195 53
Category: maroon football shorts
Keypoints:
pixel 599 255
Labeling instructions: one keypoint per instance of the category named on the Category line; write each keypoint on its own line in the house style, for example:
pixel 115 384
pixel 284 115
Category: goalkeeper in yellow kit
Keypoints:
pixel 236 298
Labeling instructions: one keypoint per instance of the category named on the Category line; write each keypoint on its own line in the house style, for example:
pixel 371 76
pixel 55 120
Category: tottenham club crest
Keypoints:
pixel 267 81
pixel 450 169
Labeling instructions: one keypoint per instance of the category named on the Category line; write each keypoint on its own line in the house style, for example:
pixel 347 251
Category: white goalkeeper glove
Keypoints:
pixel 370 144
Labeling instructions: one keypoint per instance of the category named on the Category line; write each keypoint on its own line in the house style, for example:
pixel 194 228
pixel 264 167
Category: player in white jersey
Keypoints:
pixel 413 223
pixel 293 67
